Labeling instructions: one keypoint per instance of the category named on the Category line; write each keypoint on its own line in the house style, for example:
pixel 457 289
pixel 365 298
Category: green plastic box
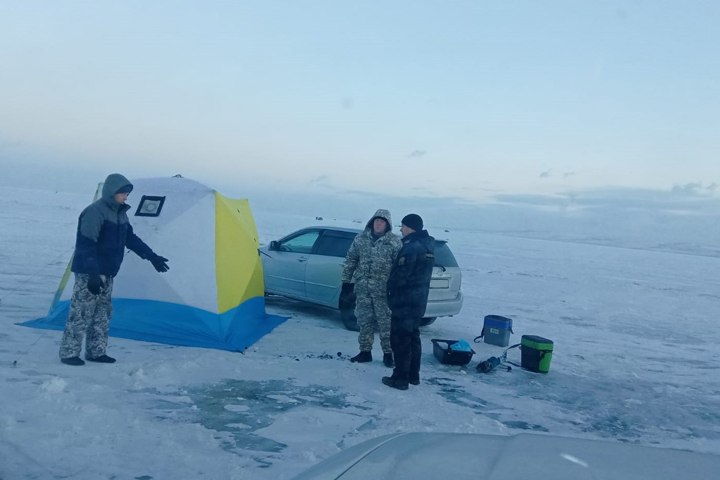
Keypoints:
pixel 536 353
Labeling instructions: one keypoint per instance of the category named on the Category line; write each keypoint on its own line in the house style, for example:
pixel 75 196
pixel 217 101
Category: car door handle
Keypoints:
pixel 302 260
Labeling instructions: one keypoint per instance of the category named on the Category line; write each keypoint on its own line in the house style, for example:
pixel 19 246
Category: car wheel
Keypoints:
pixel 350 321
pixel 347 311
pixel 427 321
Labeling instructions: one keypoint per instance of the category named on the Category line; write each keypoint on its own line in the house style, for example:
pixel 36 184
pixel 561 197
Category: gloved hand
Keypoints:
pixel 347 288
pixel 159 263
pixel 95 284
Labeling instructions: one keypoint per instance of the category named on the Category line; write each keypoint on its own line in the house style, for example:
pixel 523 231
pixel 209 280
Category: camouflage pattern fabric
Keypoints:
pixel 373 314
pixel 89 316
pixel 369 261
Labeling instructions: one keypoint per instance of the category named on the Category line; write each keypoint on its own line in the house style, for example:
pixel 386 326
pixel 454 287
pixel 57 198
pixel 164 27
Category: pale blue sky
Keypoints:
pixel 452 98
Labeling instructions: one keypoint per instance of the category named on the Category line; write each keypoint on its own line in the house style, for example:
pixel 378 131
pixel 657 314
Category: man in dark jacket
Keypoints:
pixel 408 290
pixel 103 233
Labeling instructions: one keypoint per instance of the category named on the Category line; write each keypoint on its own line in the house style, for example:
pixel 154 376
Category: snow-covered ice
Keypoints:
pixel 637 359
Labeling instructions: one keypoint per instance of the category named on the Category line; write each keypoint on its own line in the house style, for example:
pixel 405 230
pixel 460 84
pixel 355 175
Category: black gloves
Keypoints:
pixel 347 288
pixel 95 284
pixel 159 263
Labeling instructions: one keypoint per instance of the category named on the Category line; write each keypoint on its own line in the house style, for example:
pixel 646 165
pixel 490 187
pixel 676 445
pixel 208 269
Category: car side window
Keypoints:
pixel 334 244
pixel 301 244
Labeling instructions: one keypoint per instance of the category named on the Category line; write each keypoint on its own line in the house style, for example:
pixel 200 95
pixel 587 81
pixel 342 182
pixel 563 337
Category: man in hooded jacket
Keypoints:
pixel 103 233
pixel 370 259
pixel 408 289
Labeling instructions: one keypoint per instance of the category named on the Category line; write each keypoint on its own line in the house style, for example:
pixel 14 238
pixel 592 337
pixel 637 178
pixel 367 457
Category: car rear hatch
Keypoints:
pixel 447 277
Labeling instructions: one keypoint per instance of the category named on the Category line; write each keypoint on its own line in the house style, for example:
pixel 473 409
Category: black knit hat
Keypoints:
pixel 126 189
pixel 413 221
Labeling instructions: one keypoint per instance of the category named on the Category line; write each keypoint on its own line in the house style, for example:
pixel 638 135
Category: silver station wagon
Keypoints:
pixel 307 265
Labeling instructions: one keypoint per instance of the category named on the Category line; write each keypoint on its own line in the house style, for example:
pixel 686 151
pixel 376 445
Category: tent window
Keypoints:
pixel 150 206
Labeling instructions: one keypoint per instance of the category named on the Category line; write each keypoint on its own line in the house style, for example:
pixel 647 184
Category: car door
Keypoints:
pixel 325 267
pixel 285 269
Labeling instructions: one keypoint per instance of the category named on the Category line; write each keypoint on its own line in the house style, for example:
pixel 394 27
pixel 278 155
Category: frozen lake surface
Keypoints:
pixel 637 359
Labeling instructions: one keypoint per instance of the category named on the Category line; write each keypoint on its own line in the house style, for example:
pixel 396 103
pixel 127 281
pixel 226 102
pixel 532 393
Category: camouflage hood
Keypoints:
pixel 369 259
pixel 381 213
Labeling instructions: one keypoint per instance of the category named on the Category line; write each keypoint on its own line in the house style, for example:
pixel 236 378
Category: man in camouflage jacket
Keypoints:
pixel 103 233
pixel 370 259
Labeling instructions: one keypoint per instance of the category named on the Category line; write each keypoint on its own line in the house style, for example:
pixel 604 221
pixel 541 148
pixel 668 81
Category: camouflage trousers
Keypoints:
pixel 373 313
pixel 90 317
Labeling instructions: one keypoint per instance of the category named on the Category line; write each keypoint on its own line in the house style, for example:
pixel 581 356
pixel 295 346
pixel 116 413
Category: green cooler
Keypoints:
pixel 536 353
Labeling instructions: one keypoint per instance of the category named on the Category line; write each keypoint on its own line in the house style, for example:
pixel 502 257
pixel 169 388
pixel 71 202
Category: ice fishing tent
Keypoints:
pixel 213 294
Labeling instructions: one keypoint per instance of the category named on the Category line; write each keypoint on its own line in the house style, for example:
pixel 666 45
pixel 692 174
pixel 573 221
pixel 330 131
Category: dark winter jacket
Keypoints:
pixel 409 283
pixel 104 232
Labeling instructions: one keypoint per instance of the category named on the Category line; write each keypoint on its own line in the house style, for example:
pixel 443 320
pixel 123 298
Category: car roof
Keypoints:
pixel 337 229
pixel 350 230
pixel 343 229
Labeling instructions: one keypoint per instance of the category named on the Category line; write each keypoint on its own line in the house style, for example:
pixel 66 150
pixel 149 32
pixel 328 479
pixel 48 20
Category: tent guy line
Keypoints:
pixel 27 280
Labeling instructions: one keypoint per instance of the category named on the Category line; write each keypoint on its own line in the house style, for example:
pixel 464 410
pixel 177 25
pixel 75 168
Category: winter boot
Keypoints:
pixel 395 383
pixel 388 360
pixel 75 361
pixel 414 381
pixel 362 357
pixel 100 359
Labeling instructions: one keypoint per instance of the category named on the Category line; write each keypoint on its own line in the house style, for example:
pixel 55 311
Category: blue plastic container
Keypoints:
pixel 497 330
